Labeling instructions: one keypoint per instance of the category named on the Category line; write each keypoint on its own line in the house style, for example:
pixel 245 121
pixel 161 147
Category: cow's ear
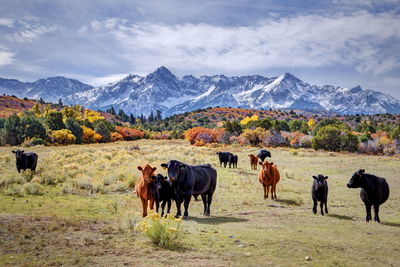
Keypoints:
pixel 13 151
pixel 139 168
pixel 154 169
pixel 260 163
pixel 164 165
pixel 182 166
pixel 22 151
pixel 165 178
pixel 363 171
pixel 326 177
pixel 315 177
pixel 271 163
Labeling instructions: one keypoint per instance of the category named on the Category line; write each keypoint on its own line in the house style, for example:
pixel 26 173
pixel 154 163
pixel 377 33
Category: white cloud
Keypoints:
pixel 98 81
pixel 6 56
pixel 358 40
pixel 28 29
pixel 6 22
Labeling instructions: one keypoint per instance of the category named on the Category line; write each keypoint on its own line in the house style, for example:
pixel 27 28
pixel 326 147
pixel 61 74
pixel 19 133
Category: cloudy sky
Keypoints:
pixel 340 42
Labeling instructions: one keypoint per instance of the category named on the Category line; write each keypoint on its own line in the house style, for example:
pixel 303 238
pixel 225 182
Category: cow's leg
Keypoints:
pixel 157 205
pixel 204 198
pixel 322 205
pixel 168 206
pixel 144 206
pixel 314 209
pixel 186 206
pixel 178 208
pixel 209 198
pixel 265 191
pixel 162 207
pixel 376 211
pixel 368 209
pixel 326 205
pixel 273 191
pixel 152 204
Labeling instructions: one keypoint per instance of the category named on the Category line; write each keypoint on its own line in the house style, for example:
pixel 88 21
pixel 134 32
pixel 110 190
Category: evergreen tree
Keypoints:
pixel 32 127
pixel 132 119
pixel 158 115
pixel 60 102
pixel 75 128
pixel 55 121
pixel 102 129
pixel 13 130
pixel 151 117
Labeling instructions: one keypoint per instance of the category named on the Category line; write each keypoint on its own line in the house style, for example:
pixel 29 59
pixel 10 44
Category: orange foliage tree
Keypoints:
pixel 203 135
pixel 129 133
pixel 116 137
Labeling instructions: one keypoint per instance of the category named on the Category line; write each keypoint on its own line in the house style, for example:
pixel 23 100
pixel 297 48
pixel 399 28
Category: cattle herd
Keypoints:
pixel 184 181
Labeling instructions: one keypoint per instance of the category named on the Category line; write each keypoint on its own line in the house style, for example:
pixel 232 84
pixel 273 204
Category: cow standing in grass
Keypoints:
pixel 233 159
pixel 188 180
pixel 253 161
pixel 163 193
pixel 25 160
pixel 144 187
pixel 319 192
pixel 374 191
pixel 263 153
pixel 223 158
pixel 269 177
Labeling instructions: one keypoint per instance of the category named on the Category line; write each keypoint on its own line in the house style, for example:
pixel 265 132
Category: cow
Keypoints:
pixel 263 153
pixel 253 161
pixel 25 160
pixel 188 180
pixel 233 159
pixel 144 187
pixel 374 191
pixel 163 193
pixel 319 192
pixel 269 177
pixel 223 158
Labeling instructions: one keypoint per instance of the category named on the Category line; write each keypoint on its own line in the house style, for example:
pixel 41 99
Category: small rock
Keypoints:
pixel 237 241
pixel 231 236
pixel 215 232
pixel 240 245
pixel 368 233
pixel 252 245
pixel 26 201
pixel 248 254
pixel 308 258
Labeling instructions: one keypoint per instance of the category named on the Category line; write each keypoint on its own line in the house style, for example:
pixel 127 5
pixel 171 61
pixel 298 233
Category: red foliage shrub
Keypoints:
pixel 205 135
pixel 129 133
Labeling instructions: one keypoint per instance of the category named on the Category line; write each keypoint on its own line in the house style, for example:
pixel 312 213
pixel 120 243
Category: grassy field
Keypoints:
pixel 84 209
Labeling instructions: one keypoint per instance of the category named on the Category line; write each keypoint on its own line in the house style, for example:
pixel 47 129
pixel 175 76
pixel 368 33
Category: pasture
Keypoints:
pixel 84 211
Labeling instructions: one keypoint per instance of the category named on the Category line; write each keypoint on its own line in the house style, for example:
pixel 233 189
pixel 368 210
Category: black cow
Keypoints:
pixel 374 191
pixel 233 159
pixel 223 158
pixel 163 193
pixel 190 180
pixel 263 153
pixel 319 192
pixel 25 160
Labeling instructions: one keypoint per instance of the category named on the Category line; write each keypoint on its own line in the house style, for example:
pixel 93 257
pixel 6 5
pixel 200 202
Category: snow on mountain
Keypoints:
pixel 50 89
pixel 162 90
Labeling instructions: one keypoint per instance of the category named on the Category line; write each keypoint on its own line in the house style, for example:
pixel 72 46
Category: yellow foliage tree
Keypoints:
pixel 92 116
pixel 62 137
pixel 249 119
pixel 71 112
pixel 311 123
pixel 88 135
pixel 37 109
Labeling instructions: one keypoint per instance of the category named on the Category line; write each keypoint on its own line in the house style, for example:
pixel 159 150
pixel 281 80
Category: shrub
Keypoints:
pixel 13 131
pixel 88 135
pixel 62 137
pixel 349 142
pixel 34 189
pixel 115 136
pixel 328 138
pixel 162 232
pixel 129 133
pixel 14 190
pixel 255 137
pixel 275 138
pixel 32 127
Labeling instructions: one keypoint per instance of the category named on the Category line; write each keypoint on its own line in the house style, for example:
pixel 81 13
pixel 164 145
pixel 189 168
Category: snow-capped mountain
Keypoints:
pixel 164 91
pixel 50 89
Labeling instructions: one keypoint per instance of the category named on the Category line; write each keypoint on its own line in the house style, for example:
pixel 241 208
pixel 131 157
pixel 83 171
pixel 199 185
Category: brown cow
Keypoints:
pixel 253 161
pixel 143 187
pixel 269 177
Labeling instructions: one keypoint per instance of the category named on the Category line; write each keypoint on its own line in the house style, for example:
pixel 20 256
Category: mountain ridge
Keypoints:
pixel 163 90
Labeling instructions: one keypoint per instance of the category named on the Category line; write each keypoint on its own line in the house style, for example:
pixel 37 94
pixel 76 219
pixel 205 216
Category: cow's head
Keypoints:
pixel 320 179
pixel 147 172
pixel 18 153
pixel 356 179
pixel 266 166
pixel 174 168
pixel 158 181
